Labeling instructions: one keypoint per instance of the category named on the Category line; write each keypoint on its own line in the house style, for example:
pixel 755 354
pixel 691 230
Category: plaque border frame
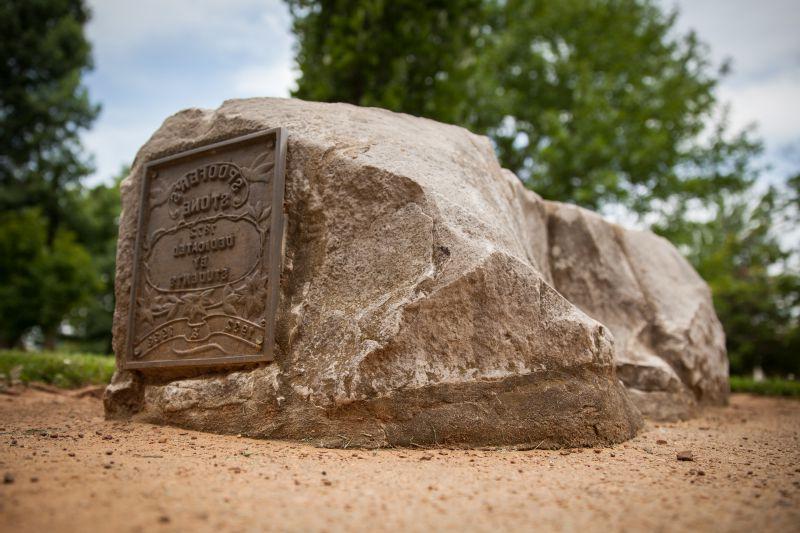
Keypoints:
pixel 275 261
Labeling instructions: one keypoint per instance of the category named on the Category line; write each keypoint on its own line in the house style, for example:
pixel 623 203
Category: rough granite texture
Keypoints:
pixel 428 298
pixel 669 344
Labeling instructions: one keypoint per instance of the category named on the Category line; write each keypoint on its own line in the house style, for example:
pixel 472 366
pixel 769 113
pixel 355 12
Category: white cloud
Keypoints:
pixel 270 80
pixel 771 103
pixel 759 36
pixel 155 57
pixel 763 42
pixel 115 144
pixel 124 24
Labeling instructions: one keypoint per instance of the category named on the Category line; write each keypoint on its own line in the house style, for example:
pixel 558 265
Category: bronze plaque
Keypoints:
pixel 208 255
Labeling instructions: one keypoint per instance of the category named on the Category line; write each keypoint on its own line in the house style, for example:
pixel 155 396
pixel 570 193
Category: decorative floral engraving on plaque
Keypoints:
pixel 208 254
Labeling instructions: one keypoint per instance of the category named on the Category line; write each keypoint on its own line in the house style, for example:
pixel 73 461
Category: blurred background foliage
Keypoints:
pixel 57 237
pixel 602 103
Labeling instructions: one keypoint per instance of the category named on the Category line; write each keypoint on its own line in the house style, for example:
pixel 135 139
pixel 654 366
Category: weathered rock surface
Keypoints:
pixel 669 344
pixel 427 297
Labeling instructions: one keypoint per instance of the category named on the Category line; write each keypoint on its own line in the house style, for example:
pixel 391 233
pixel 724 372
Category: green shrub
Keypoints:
pixel 64 370
pixel 768 387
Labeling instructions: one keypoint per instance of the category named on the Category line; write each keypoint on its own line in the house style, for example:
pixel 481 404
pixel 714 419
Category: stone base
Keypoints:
pixel 571 410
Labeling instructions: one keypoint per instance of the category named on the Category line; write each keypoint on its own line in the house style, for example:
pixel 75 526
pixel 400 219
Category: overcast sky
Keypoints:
pixel 155 57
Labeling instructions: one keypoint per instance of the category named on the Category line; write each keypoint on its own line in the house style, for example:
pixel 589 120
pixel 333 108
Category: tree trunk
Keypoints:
pixel 50 340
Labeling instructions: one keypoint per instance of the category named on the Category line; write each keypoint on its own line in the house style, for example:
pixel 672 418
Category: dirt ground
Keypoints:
pixel 67 469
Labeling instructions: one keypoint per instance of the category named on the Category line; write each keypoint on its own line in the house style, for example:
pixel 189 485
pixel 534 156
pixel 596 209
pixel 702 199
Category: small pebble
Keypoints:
pixel 685 455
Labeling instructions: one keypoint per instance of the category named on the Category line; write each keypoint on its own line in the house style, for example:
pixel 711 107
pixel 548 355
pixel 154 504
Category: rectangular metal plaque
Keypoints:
pixel 208 254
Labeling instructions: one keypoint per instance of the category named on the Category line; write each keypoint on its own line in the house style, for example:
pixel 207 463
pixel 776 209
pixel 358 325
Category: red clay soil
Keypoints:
pixel 67 469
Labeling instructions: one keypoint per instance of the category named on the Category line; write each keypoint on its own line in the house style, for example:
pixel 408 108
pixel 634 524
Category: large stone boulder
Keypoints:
pixel 425 299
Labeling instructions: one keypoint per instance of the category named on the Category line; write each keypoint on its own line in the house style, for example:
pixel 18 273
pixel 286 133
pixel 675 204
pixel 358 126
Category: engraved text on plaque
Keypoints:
pixel 207 258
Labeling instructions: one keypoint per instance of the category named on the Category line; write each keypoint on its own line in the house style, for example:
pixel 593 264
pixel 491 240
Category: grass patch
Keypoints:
pixel 63 370
pixel 768 387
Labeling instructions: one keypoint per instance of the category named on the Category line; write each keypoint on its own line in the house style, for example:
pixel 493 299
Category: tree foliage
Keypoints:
pixel 403 55
pixel 604 102
pixel 96 223
pixel 43 104
pixel 69 282
pixel 592 102
pixel 54 234
pixel 41 282
pixel 753 274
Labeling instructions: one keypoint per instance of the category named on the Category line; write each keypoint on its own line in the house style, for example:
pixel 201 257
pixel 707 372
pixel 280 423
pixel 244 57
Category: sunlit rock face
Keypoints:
pixel 427 297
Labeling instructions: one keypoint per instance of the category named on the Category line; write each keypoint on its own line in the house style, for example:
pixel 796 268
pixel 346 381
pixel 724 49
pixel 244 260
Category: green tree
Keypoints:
pixel 589 101
pixel 742 253
pixel 19 293
pixel 43 104
pixel 95 222
pixel 45 272
pixel 604 102
pixel 41 284
pixel 403 55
